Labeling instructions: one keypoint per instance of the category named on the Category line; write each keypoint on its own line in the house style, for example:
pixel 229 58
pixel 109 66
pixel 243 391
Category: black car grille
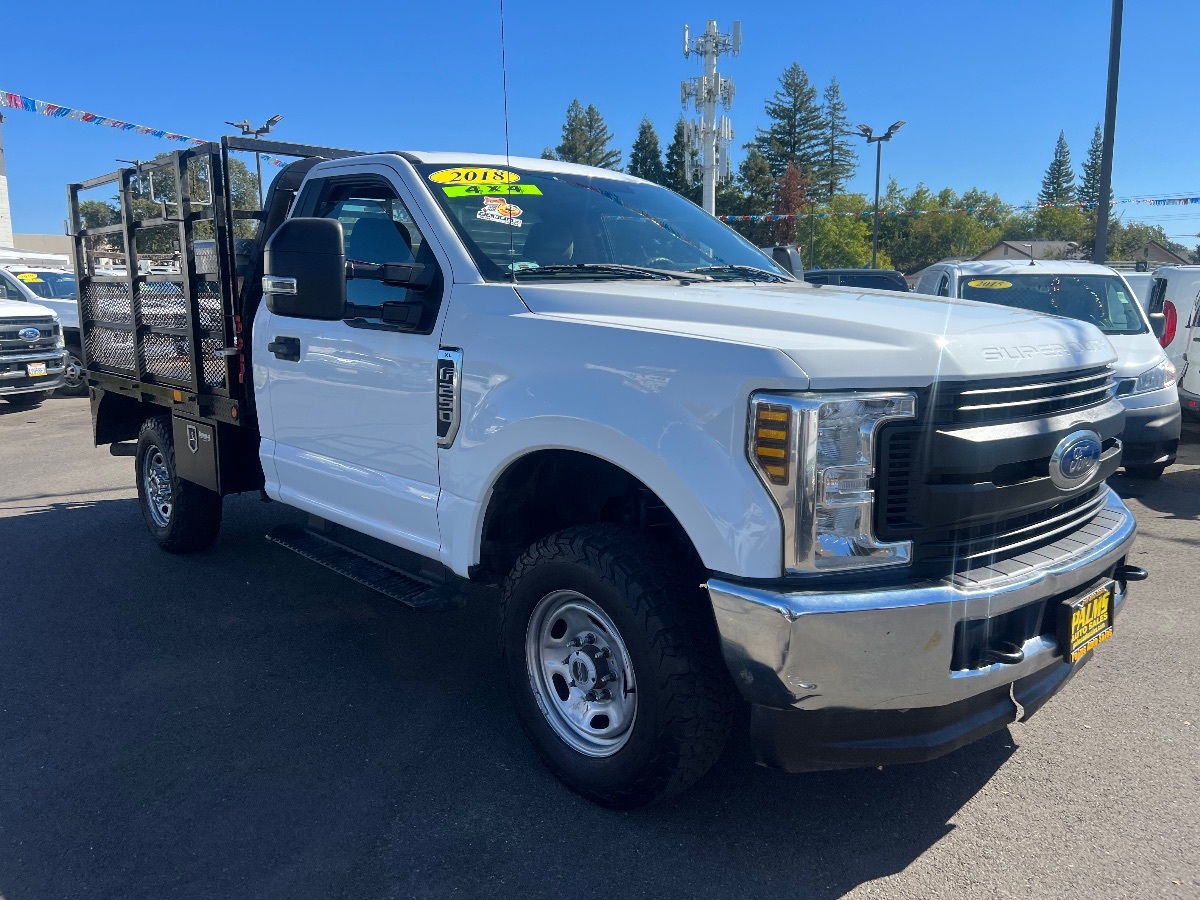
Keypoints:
pixel 963 511
pixel 1011 399
pixel 11 342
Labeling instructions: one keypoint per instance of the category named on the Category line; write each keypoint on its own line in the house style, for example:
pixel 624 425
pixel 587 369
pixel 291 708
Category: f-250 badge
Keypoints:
pixel 449 374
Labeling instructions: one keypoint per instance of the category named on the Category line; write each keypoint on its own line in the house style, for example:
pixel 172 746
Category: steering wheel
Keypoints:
pixel 657 261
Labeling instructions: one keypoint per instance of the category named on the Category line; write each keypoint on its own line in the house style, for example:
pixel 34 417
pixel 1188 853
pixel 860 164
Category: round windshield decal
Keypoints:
pixel 989 283
pixel 473 175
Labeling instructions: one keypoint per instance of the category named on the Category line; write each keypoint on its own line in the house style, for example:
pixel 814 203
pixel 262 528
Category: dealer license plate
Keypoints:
pixel 35 369
pixel 1086 622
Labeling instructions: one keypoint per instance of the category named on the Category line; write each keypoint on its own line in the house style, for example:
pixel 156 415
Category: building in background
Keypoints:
pixel 6 226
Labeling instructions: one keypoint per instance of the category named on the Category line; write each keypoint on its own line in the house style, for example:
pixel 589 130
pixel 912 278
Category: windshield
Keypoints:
pixel 51 285
pixel 515 221
pixel 1102 300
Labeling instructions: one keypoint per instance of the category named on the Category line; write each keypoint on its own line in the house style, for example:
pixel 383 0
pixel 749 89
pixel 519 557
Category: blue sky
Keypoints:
pixel 985 87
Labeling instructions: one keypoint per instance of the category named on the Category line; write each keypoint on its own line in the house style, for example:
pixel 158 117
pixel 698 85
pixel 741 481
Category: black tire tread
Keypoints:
pixel 196 511
pixel 690 670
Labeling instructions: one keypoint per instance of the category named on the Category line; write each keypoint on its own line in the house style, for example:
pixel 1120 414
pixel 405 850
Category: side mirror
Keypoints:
pixel 1158 324
pixel 304 266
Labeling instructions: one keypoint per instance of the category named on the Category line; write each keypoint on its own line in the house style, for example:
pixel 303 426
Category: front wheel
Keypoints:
pixel 183 516
pixel 74 378
pixel 613 665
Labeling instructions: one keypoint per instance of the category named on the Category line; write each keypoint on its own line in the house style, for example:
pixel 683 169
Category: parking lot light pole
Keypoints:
pixel 877 140
pixel 249 130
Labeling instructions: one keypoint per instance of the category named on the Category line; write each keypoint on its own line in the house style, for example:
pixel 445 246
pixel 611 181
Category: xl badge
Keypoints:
pixel 193 437
pixel 1075 459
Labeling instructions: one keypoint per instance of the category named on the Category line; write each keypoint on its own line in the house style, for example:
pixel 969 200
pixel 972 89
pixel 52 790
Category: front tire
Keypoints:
pixel 181 515
pixel 74 379
pixel 28 400
pixel 613 665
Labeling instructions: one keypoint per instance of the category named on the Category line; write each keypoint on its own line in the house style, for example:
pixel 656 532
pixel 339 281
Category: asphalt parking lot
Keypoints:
pixel 243 723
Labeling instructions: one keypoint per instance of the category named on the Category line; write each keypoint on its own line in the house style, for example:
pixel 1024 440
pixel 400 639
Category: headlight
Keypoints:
pixel 1161 376
pixel 816 455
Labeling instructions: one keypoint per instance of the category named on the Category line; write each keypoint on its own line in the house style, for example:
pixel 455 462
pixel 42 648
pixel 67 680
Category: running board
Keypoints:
pixel 366 570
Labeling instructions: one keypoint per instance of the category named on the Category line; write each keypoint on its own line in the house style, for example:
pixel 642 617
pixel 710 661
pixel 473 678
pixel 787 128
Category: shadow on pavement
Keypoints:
pixel 243 723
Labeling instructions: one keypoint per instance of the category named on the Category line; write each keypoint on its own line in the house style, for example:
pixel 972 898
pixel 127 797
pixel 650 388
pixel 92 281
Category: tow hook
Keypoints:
pixel 1131 573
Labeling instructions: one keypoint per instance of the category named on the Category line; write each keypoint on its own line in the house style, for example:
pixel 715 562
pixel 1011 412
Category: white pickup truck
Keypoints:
pixel 32 352
pixel 878 519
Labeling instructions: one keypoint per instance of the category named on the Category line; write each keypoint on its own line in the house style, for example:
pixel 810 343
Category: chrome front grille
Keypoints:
pixel 1010 399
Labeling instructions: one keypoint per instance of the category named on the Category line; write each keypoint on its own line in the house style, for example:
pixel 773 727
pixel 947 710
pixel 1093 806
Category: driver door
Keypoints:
pixel 351 434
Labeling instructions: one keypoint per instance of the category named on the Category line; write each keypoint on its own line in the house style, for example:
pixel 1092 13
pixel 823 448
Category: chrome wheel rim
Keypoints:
pixel 156 478
pixel 73 373
pixel 580 673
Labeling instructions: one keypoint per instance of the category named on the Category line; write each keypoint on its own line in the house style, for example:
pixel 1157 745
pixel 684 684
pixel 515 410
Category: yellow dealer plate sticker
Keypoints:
pixel 29 277
pixel 473 175
pixel 1086 622
pixel 483 190
pixel 989 283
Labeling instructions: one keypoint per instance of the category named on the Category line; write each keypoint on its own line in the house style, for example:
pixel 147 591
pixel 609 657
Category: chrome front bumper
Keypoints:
pixel 17 381
pixel 891 648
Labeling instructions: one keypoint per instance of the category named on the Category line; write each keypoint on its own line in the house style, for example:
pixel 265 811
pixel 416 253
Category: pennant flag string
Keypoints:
pixel 9 100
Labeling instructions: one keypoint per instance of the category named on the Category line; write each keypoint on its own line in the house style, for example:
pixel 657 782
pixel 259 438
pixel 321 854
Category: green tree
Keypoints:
pixel 797 133
pixel 838 160
pixel 1089 184
pixel 758 187
pixel 675 174
pixel 842 235
pixel 1058 184
pixel 645 158
pixel 548 153
pixel 916 233
pixel 585 138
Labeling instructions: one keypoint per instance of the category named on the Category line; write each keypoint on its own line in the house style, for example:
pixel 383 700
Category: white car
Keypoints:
pixel 1100 296
pixel 54 289
pixel 1176 297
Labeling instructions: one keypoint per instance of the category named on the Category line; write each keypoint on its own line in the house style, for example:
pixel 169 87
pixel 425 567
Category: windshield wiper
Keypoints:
pixel 746 273
pixel 611 270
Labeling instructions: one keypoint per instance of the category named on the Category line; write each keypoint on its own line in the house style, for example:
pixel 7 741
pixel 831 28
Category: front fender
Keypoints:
pixel 670 410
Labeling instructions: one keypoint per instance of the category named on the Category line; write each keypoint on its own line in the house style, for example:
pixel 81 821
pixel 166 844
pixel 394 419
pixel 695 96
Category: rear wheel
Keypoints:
pixel 183 516
pixel 613 665
pixel 27 400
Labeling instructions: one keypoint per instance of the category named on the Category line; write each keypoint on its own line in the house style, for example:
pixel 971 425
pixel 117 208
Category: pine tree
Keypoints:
pixel 797 132
pixel 840 160
pixel 585 138
pixel 645 159
pixel 1058 184
pixel 1089 186
pixel 675 174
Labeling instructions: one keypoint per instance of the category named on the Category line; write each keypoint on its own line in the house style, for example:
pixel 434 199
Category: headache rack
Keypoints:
pixel 168 268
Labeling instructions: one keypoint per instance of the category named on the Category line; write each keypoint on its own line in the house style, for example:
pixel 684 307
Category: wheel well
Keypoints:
pixel 550 490
pixel 119 418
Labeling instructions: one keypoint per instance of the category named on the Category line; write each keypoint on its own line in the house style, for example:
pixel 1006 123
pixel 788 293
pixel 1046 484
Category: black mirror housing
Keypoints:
pixel 1158 324
pixel 304 270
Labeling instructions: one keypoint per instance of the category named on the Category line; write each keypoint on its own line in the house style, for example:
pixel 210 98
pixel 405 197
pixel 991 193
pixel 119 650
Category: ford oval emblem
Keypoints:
pixel 1074 460
pixel 29 334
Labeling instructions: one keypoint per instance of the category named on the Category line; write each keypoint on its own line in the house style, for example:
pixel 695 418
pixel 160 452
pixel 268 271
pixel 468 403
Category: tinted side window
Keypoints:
pixel 379 229
pixel 1158 293
pixel 8 290
pixel 944 286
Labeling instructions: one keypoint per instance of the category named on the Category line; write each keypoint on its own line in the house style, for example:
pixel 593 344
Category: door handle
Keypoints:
pixel 286 348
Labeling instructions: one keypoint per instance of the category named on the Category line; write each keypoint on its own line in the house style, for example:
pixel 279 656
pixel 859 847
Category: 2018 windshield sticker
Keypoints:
pixel 989 283
pixel 497 209
pixel 473 175
pixel 479 190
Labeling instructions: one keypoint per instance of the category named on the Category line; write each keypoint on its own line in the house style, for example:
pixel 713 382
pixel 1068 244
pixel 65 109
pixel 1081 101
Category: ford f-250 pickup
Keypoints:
pixel 879 519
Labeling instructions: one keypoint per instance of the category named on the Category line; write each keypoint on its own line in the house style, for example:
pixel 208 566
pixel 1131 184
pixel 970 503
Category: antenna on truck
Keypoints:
pixel 512 272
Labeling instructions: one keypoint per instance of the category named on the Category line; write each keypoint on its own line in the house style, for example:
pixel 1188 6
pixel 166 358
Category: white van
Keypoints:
pixel 1176 296
pixel 1100 296
pixel 1141 283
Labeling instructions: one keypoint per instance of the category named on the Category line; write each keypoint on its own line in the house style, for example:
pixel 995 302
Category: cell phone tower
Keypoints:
pixel 710 136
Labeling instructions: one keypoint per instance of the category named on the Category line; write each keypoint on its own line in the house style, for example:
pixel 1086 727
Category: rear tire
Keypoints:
pixel 181 515
pixel 1146 472
pixel 28 400
pixel 613 665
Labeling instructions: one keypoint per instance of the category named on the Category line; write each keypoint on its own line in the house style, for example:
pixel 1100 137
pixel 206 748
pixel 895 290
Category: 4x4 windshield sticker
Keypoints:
pixel 991 283
pixel 476 190
pixel 473 175
pixel 497 209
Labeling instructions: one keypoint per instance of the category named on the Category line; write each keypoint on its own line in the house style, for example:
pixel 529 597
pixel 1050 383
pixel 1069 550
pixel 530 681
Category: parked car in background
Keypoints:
pixel 54 289
pixel 1175 295
pixel 1100 296
pixel 880 279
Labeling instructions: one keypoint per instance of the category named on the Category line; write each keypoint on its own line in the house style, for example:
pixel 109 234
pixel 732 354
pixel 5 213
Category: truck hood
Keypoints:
pixel 840 337
pixel 19 309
